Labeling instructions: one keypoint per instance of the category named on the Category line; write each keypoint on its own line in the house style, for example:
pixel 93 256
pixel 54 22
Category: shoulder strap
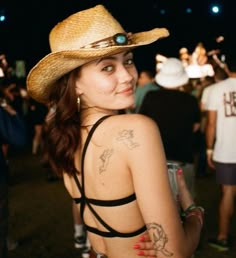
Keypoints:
pixel 90 134
pixel 84 201
pixel 81 186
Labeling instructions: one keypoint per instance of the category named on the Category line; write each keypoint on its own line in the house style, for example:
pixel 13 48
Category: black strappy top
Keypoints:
pixel 106 203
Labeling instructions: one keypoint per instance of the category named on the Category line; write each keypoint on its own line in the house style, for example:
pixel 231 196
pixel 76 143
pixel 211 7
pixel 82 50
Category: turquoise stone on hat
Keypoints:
pixel 121 39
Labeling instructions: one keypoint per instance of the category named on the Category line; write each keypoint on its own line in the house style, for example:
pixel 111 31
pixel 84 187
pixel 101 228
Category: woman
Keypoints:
pixel 113 165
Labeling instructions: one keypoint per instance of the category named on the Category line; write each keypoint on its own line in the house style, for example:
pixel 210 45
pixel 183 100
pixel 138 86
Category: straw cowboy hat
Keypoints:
pixel 82 37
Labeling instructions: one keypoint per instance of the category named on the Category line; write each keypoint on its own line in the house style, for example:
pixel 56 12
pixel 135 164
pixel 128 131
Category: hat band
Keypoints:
pixel 119 39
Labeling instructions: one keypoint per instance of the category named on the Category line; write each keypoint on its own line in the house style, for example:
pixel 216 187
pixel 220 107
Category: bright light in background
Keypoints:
pixel 162 11
pixel 215 9
pixel 2 16
pixel 188 10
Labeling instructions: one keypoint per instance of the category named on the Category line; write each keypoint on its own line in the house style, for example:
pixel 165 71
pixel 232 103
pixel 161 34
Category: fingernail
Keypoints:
pixel 136 246
pixel 140 253
pixel 180 171
pixel 142 238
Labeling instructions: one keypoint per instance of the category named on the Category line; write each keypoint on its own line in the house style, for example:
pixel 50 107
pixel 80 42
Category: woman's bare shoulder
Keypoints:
pixel 136 126
pixel 139 121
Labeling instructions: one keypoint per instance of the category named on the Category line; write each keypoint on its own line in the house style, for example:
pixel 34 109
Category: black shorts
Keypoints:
pixel 225 173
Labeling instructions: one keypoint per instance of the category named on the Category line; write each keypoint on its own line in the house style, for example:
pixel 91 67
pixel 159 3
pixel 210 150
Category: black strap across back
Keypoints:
pixel 106 203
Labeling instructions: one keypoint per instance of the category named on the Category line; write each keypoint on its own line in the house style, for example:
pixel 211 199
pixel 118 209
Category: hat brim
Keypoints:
pixel 169 81
pixel 54 65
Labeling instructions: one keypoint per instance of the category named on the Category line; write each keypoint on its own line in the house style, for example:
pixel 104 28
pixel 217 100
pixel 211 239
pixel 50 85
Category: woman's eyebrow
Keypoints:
pixel 127 52
pixel 106 58
pixel 112 57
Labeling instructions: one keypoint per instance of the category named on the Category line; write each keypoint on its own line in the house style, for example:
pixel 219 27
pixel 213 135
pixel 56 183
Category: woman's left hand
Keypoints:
pixel 144 247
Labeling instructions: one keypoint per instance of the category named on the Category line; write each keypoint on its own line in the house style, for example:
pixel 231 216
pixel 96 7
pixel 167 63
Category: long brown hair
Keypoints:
pixel 61 132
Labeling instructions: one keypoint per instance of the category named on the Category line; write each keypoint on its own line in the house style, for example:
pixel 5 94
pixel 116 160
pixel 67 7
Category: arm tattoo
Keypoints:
pixel 126 136
pixel 159 238
pixel 105 159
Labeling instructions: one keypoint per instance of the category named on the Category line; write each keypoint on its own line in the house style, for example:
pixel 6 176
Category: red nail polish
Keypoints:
pixel 140 253
pixel 180 171
pixel 136 246
pixel 142 238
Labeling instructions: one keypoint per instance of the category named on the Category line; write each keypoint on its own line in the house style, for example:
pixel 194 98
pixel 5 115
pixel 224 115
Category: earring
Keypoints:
pixel 78 103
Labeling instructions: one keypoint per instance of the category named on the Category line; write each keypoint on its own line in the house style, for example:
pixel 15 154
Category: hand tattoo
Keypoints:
pixel 159 237
pixel 126 136
pixel 105 159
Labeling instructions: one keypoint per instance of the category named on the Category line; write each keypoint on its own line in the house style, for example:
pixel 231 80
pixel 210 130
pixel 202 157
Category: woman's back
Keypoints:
pixel 107 176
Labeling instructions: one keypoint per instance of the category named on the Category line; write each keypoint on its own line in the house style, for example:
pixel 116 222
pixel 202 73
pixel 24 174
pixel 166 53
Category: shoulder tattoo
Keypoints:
pixel 127 137
pixel 159 238
pixel 105 157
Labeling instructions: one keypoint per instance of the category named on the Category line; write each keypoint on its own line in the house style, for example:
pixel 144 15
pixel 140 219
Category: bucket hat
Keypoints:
pixel 172 74
pixel 83 37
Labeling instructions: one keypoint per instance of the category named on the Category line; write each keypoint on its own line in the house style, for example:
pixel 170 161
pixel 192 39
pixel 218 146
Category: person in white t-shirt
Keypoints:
pixel 221 151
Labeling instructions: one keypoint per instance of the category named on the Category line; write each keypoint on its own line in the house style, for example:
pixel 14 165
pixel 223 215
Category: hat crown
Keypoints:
pixel 172 66
pixel 83 28
pixel 172 74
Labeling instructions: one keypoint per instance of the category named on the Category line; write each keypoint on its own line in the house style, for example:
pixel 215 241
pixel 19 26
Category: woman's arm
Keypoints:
pixel 144 247
pixel 154 196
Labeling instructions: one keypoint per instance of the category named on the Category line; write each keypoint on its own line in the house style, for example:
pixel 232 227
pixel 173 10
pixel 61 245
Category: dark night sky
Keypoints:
pixel 25 32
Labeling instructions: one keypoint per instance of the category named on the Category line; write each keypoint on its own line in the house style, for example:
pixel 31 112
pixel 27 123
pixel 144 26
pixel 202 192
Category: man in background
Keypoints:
pixel 221 150
pixel 145 83
pixel 177 115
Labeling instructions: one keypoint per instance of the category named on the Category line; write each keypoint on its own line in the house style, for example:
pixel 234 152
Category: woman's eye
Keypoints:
pixel 108 68
pixel 129 61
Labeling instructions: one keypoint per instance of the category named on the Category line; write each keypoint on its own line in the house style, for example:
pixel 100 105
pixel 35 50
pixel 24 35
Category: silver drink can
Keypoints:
pixel 172 170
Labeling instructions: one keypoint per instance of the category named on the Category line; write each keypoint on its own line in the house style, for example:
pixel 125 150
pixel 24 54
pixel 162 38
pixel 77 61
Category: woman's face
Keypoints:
pixel 108 83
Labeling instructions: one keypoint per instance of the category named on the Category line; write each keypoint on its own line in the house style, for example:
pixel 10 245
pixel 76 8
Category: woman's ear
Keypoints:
pixel 78 89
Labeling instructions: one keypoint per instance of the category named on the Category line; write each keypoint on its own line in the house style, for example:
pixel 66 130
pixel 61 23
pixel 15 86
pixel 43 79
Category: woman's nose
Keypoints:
pixel 126 75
